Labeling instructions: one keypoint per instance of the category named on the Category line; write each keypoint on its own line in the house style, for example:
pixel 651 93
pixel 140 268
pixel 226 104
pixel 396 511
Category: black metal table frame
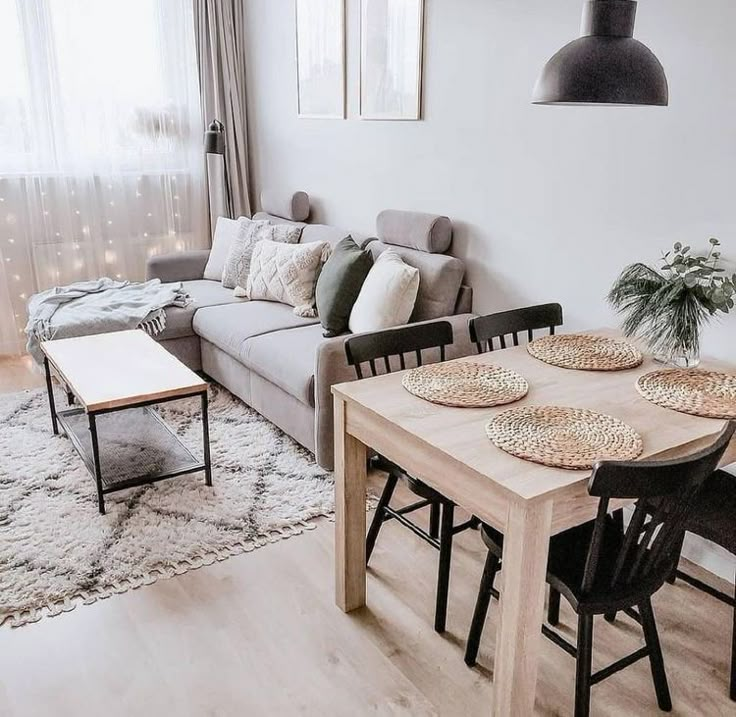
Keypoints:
pixel 96 470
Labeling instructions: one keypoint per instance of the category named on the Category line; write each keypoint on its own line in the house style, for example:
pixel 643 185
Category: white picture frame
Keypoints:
pixel 320 58
pixel 391 58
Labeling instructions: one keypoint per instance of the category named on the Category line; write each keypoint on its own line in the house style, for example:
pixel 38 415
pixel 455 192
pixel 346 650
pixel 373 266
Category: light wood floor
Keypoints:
pixel 259 635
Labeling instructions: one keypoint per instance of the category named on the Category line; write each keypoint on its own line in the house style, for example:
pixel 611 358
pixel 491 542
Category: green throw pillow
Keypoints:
pixel 339 284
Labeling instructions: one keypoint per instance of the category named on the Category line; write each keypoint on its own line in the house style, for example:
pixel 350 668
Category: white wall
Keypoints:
pixel 548 203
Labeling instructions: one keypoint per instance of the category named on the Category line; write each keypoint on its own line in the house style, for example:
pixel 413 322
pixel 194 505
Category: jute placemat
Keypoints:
pixel 465 384
pixel 710 394
pixel 585 352
pixel 573 438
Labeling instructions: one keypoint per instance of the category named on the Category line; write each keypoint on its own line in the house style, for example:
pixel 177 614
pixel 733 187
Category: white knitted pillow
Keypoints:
pixel 287 273
pixel 237 264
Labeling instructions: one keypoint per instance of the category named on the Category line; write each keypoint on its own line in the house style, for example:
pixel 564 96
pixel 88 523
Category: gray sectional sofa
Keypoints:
pixel 279 363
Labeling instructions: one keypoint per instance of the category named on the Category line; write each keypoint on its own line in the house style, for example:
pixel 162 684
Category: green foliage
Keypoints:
pixel 668 306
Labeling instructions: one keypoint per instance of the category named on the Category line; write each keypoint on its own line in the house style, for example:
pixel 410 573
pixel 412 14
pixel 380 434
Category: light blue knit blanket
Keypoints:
pixel 99 306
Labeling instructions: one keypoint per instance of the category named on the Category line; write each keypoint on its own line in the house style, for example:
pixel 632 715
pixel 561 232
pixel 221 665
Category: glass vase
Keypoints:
pixel 682 358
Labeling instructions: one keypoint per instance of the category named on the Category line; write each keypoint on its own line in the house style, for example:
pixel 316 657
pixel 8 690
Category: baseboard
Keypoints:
pixel 709 556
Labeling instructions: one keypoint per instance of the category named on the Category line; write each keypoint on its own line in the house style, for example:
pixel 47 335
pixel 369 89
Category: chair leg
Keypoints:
pixel 655 656
pixel 553 608
pixel 434 520
pixel 377 521
pixel 583 666
pixel 481 608
pixel 673 575
pixel 443 579
pixel 733 652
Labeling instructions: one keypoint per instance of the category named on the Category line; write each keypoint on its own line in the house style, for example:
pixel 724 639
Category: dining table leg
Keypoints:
pixel 350 513
pixel 525 551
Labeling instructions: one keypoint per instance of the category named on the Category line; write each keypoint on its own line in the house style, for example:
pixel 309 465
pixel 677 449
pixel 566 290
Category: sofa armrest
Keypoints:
pixel 180 266
pixel 464 304
pixel 331 367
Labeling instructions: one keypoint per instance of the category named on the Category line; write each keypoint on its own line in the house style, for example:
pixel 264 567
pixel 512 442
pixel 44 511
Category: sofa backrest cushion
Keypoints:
pixel 414 230
pixel 286 205
pixel 265 216
pixel 440 277
pixel 325 232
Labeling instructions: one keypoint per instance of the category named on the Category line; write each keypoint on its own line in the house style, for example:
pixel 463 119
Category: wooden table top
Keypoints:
pixel 459 433
pixel 118 369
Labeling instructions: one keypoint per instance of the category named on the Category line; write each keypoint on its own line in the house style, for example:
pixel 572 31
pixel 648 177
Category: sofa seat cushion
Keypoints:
pixel 286 358
pixel 229 327
pixel 203 293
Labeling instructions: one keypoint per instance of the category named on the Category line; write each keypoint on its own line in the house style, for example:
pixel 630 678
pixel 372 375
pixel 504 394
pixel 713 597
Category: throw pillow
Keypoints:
pixel 286 273
pixel 237 264
pixel 388 295
pixel 339 284
pixel 226 230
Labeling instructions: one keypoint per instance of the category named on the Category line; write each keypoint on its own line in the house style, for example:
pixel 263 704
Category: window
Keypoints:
pixel 86 82
pixel 101 162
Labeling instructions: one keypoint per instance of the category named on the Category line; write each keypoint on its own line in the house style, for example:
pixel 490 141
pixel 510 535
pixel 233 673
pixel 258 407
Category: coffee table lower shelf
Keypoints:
pixel 134 445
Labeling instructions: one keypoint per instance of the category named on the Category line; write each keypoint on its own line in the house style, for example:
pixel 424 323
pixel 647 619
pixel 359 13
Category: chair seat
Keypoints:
pixel 713 516
pixel 414 484
pixel 566 565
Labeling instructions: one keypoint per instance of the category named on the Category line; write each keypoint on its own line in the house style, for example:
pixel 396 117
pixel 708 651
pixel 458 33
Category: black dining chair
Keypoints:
pixel 713 517
pixel 376 350
pixel 600 569
pixel 484 329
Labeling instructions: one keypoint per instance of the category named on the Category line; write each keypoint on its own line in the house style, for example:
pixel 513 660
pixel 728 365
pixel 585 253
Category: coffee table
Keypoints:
pixel 112 380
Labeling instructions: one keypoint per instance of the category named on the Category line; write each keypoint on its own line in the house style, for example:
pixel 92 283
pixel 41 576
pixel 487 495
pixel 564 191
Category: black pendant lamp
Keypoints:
pixel 606 65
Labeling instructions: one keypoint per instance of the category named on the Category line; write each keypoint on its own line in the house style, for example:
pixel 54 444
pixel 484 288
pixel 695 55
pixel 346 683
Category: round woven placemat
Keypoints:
pixel 573 438
pixel 465 384
pixel 585 352
pixel 710 394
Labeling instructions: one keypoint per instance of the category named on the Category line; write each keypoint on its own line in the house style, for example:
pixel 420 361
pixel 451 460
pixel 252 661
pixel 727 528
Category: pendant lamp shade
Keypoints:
pixel 606 65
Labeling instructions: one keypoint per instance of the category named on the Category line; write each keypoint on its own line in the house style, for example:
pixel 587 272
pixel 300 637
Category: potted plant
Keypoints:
pixel 667 307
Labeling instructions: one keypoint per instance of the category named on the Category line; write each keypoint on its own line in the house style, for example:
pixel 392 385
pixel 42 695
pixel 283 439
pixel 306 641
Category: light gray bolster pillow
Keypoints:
pixel 293 206
pixel 415 230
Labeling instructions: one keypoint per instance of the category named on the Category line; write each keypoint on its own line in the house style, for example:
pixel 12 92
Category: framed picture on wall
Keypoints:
pixel 391 59
pixel 320 58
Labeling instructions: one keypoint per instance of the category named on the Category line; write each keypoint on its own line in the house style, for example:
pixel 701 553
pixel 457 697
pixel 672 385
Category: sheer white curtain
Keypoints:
pixel 101 162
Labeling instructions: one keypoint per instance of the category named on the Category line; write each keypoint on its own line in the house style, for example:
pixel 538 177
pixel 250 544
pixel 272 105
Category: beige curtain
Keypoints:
pixel 220 34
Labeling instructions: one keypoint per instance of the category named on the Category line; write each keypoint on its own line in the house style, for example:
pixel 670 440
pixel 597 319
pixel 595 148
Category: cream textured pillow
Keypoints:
pixel 237 264
pixel 287 273
pixel 226 230
pixel 387 296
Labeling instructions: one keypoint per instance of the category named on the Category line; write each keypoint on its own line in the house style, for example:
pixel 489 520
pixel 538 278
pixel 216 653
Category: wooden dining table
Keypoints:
pixel 448 449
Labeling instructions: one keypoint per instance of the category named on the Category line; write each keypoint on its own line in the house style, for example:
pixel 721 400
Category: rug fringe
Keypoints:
pixel 19 618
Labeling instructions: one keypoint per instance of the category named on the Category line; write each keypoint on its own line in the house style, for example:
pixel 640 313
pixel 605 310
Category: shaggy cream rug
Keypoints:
pixel 57 551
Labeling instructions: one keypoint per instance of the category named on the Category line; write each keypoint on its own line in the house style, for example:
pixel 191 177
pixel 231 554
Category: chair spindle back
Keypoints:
pixel 665 492
pixel 401 342
pixel 484 329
